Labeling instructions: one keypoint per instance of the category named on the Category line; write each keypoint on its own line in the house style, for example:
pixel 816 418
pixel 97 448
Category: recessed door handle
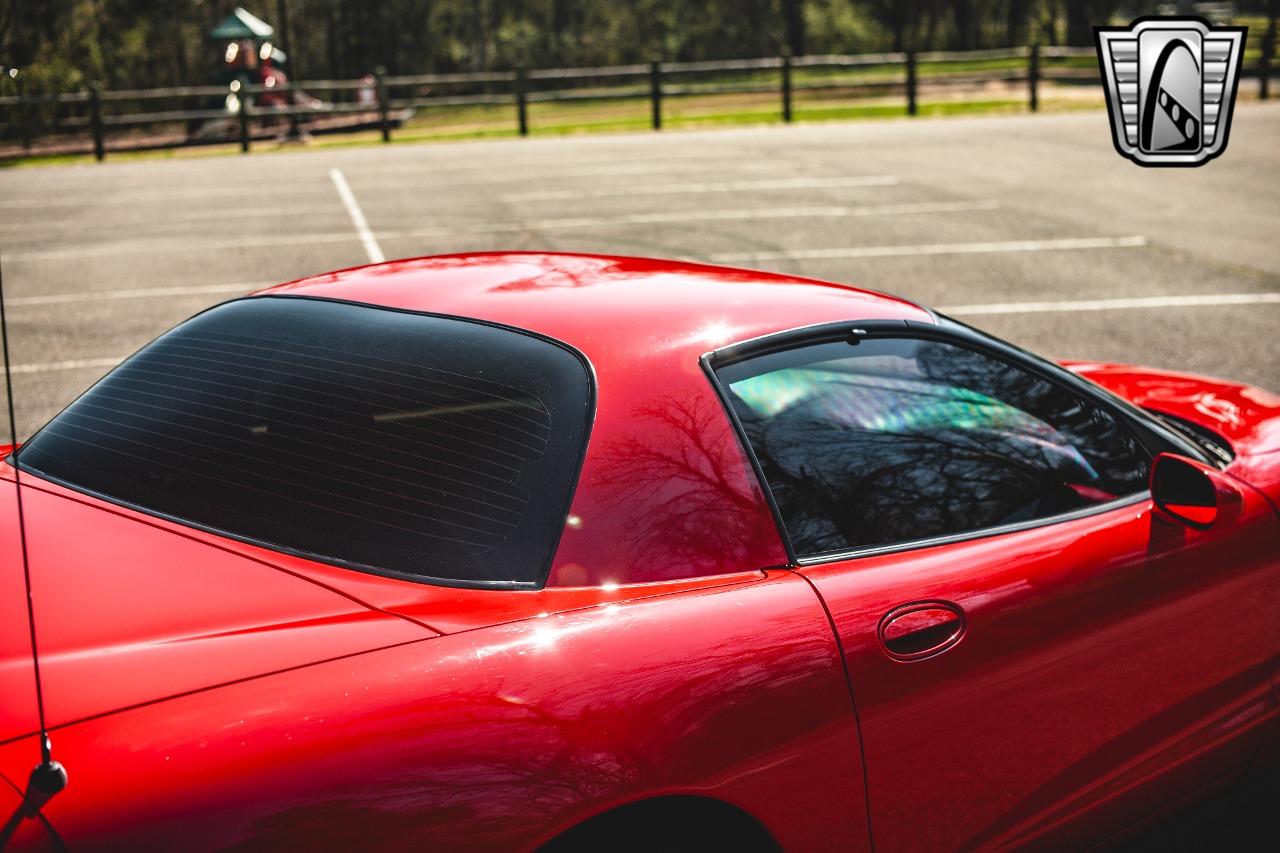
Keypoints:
pixel 921 630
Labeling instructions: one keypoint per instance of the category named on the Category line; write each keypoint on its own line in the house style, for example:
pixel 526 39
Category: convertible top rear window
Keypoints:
pixel 414 445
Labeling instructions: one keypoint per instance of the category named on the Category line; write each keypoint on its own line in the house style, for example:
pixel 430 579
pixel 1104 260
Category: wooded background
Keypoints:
pixel 61 45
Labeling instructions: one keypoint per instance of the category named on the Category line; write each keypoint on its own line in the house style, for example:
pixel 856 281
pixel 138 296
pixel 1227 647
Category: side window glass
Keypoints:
pixel 897 440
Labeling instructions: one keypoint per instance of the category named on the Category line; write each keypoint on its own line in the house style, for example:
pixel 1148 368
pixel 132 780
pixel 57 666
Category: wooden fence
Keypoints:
pixel 110 120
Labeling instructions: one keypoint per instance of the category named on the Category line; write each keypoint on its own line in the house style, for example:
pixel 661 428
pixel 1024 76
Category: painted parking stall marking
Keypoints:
pixel 1068 243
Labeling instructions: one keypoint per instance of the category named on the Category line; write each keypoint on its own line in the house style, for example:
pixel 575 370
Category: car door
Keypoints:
pixel 1034 652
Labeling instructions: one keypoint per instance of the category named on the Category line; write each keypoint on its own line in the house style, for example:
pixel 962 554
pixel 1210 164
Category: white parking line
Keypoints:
pixel 203 214
pixel 622 168
pixel 730 215
pixel 374 251
pixel 154 245
pixel 428 161
pixel 74 364
pixel 113 197
pixel 76 198
pixel 1205 300
pixel 937 249
pixel 707 187
pixel 133 293
pixel 371 247
pixel 1208 299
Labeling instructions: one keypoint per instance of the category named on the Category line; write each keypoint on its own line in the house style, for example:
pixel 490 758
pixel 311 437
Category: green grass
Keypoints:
pixel 924 108
pixel 865 74
pixel 492 121
pixel 161 154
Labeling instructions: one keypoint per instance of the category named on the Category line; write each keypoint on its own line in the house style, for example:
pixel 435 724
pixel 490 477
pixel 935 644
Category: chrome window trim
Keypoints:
pixel 1143 496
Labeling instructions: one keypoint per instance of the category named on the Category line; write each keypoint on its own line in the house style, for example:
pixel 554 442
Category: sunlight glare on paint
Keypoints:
pixel 715 333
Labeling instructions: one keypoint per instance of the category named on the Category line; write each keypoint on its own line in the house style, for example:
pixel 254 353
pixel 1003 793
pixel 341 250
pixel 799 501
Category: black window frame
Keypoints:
pixel 1150 434
pixel 14 458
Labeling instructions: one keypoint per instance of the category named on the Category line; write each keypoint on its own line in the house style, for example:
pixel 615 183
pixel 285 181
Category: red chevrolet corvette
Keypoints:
pixel 498 551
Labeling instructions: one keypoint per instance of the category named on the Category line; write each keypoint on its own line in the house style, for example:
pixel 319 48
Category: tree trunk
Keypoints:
pixel 1051 24
pixel 180 46
pixel 331 39
pixel 793 20
pixel 1083 16
pixel 966 37
pixel 1015 30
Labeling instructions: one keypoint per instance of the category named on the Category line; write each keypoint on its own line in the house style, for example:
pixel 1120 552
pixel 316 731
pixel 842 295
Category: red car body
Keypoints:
pixel 203 692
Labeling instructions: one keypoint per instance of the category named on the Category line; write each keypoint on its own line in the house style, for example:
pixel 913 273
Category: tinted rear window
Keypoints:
pixel 424 446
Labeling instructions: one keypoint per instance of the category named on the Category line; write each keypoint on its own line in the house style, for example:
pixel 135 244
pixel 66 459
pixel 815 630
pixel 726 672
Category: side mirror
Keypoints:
pixel 1185 490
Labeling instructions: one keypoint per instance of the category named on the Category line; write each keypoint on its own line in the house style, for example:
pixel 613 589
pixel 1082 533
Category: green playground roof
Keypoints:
pixel 242 25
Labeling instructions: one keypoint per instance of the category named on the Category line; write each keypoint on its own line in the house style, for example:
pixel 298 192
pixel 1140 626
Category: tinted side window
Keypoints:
pixel 425 446
pixel 897 440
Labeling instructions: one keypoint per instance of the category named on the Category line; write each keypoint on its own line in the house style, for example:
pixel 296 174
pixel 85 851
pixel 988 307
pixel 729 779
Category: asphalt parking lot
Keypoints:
pixel 1030 226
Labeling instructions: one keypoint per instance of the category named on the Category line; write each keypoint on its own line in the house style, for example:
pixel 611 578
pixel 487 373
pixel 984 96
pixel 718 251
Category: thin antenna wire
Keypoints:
pixel 45 745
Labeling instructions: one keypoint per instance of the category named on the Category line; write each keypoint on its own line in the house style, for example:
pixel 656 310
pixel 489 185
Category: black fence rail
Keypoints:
pixel 131 120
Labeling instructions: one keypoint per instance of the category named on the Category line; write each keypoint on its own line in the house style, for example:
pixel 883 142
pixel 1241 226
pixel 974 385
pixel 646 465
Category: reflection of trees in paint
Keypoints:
pixel 453 777
pixel 684 467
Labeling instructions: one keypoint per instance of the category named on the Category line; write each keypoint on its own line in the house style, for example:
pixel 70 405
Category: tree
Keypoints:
pixel 1083 16
pixel 793 19
pixel 64 44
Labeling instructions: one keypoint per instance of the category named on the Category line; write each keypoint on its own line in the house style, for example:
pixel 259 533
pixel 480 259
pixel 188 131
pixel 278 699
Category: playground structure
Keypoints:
pixel 253 72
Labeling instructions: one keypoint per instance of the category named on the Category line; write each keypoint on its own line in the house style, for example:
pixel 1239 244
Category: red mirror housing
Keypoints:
pixel 1187 491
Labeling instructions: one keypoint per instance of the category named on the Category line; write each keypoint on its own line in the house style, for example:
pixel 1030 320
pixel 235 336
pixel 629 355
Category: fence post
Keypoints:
pixel 242 113
pixel 1033 78
pixel 24 112
pixel 1264 64
pixel 911 82
pixel 522 101
pixel 1264 72
pixel 384 116
pixel 655 93
pixel 786 87
pixel 95 121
